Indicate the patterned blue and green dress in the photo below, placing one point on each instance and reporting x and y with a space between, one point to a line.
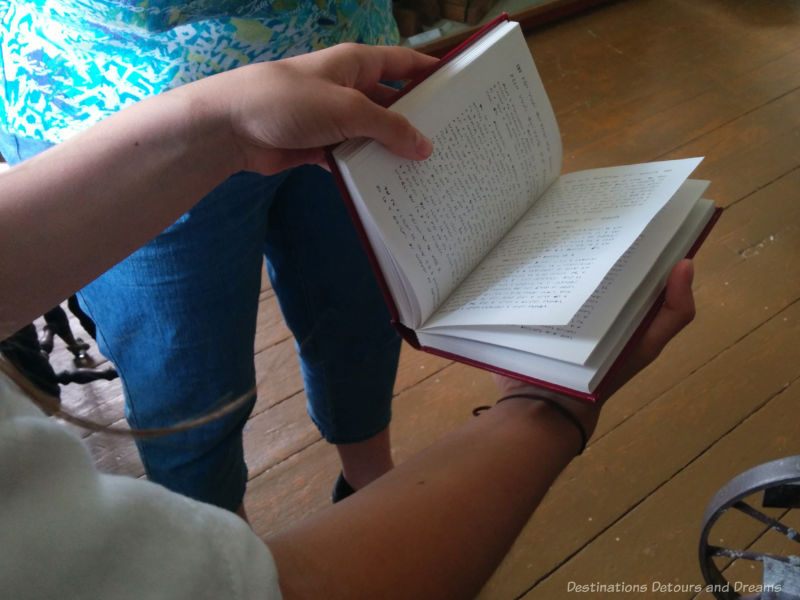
65 64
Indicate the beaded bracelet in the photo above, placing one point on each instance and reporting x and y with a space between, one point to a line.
552 403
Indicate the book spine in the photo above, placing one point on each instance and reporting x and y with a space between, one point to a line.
586 396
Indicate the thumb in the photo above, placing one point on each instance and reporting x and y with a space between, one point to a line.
389 128
677 311
674 314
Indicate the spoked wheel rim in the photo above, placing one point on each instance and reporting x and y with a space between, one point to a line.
768 477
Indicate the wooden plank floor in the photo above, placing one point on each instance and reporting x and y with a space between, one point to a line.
631 81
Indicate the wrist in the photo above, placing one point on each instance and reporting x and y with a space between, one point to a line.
585 413
542 422
209 129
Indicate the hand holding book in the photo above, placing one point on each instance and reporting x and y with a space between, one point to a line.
675 313
488 254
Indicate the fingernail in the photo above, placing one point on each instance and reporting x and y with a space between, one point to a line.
424 147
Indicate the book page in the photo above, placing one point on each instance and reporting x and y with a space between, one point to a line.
548 266
586 376
496 148
575 341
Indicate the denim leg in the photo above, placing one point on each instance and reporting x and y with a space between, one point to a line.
15 149
330 299
177 318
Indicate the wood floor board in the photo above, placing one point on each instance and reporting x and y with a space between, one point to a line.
292 490
273 435
277 375
115 454
416 366
270 326
750 152
631 83
99 401
759 140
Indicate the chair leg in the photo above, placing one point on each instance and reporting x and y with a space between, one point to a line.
30 354
24 352
84 319
57 323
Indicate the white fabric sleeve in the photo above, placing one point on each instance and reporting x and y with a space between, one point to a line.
67 531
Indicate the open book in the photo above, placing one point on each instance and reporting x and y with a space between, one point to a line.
487 254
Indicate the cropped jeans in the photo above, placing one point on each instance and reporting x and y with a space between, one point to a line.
178 317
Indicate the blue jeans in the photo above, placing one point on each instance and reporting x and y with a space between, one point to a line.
178 317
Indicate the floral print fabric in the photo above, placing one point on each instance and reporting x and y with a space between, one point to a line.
66 64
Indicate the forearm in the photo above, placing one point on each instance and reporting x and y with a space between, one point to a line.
101 195
439 524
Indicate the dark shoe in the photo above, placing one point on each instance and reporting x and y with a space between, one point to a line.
341 489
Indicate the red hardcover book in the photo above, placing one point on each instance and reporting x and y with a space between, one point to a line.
487 254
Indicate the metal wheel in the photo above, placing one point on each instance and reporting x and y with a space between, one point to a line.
778 482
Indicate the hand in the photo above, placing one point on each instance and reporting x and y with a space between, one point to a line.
676 312
322 98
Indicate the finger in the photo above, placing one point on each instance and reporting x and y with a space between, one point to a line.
405 63
362 66
363 118
677 311
396 63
